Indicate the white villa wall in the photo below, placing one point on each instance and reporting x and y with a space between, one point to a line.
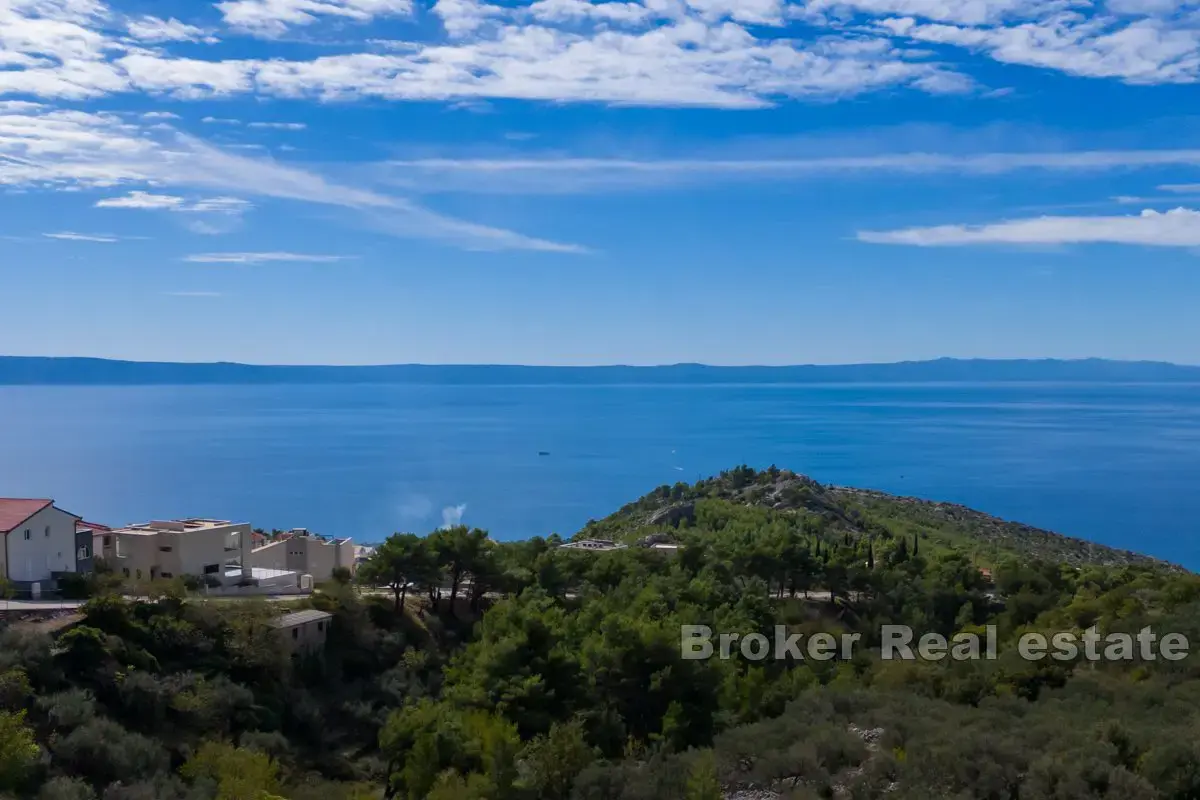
270 556
49 548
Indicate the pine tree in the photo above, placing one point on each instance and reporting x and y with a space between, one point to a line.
870 556
703 783
916 544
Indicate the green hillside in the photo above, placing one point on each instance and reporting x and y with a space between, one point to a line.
460 668
859 512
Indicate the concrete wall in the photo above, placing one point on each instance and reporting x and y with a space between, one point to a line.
307 555
199 551
345 556
42 545
135 555
270 556
291 589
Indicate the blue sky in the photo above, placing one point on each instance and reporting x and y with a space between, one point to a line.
573 182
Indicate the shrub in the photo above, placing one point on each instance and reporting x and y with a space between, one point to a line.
18 750
103 752
68 710
63 788
14 689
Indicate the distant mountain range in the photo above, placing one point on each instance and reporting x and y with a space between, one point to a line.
18 370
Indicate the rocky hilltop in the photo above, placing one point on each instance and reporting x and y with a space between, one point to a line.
860 512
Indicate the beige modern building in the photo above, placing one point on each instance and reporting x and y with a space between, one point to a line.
207 548
303 553
304 631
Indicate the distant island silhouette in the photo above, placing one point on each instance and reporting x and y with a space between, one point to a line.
26 370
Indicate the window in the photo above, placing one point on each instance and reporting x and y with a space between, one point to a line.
126 571
82 554
212 569
47 531
295 633
165 549
108 541
320 626
27 534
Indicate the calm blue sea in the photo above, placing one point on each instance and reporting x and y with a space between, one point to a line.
1119 464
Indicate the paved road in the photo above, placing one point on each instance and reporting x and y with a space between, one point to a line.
40 605
20 606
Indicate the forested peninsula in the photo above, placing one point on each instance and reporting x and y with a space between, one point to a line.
458 667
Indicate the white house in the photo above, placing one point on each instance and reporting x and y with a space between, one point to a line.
39 540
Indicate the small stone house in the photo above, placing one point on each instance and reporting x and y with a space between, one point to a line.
304 632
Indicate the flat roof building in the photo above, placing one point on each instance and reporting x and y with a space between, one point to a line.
210 548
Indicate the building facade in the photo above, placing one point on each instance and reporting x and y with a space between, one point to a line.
39 541
306 554
216 550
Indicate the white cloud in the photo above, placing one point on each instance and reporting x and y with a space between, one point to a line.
159 115
141 200
1138 51
965 12
1180 188
155 29
262 258
274 17
220 121
720 53
690 63
279 126
160 202
1177 228
67 236
664 53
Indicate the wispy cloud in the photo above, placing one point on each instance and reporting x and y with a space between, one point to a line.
44 147
274 17
1177 228
154 29
1181 188
160 202
68 236
263 258
141 200
220 121
279 126
553 175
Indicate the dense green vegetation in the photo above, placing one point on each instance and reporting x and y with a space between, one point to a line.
515 671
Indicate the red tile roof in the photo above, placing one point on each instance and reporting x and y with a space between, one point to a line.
15 511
